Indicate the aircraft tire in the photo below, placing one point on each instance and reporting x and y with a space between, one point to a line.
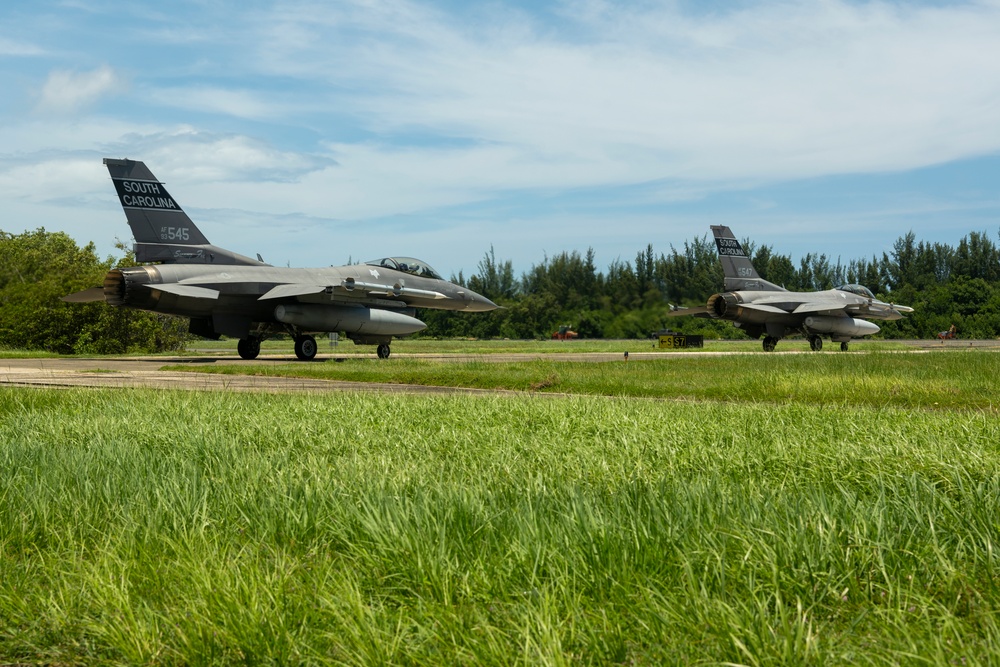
843 346
815 343
305 348
383 351
248 347
770 343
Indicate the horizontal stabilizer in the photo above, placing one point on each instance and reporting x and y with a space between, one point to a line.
85 296
698 311
290 290
186 290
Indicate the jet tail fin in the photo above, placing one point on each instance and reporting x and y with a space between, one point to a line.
736 266
163 232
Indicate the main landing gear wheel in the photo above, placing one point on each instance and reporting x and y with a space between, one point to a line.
305 348
770 343
815 343
248 347
383 351
843 346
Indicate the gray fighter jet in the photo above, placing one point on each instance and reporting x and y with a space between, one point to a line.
224 293
764 309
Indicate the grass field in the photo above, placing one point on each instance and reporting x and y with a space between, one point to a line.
796 524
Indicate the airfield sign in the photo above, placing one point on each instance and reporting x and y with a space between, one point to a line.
676 341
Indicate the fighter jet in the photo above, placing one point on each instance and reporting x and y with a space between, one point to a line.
225 293
764 309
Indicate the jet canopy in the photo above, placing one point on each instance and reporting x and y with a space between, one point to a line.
406 265
860 290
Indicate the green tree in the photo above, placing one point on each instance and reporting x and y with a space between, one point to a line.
495 280
37 268
976 257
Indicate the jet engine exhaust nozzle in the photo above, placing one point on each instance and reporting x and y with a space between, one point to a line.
121 288
724 306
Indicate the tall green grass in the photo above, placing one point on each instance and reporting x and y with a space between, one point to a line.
204 528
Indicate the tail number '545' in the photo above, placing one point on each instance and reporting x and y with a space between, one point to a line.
175 234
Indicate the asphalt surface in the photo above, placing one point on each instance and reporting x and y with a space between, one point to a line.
135 372
131 372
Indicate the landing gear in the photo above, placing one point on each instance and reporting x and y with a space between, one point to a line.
815 343
305 348
383 351
248 347
843 346
770 342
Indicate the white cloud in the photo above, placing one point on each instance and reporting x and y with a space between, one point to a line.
228 102
10 47
67 91
399 109
64 179
203 158
775 91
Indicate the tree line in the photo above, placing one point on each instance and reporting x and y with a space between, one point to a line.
946 285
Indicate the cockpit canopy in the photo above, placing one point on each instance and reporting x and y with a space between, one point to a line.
409 265
860 290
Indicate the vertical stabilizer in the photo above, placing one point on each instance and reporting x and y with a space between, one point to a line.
736 266
163 232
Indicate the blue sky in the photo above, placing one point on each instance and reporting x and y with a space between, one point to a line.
317 132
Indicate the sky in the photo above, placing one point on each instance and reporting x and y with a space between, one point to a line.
318 133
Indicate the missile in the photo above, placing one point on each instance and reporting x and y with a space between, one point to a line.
350 319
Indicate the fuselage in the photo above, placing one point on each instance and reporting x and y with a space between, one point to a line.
788 307
240 288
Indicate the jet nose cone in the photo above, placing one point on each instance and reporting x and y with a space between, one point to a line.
477 303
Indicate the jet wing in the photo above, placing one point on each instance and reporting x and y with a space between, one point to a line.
763 307
822 307
186 290
292 289
349 285
704 311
